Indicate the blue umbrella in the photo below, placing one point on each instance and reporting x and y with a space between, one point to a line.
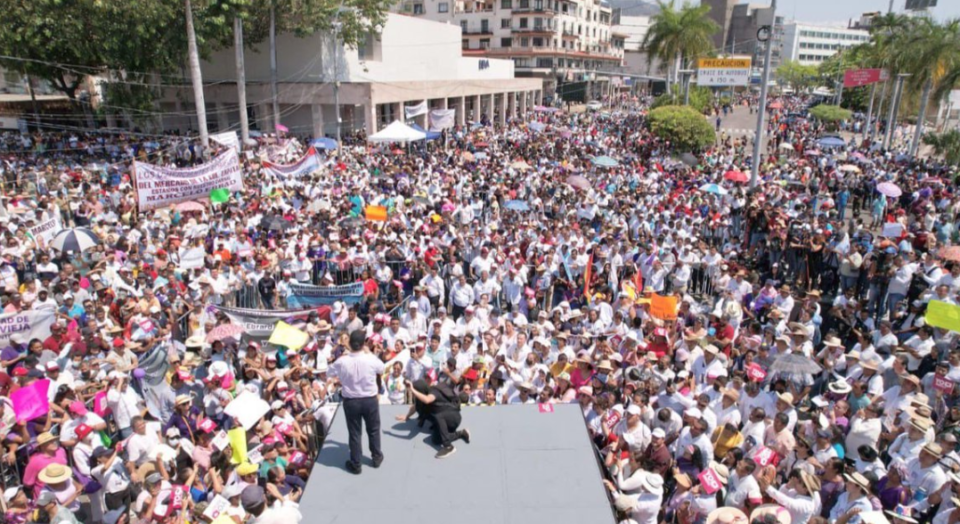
713 188
516 205
831 141
537 126
324 143
605 161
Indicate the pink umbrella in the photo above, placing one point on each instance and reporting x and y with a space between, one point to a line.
812 152
282 128
889 189
579 182
189 205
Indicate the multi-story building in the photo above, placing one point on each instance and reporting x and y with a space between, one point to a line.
811 44
721 12
556 40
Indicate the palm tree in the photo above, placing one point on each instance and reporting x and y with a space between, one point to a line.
676 35
932 58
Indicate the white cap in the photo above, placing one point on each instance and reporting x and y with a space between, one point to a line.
693 413
633 409
9 493
413 305
658 433
276 404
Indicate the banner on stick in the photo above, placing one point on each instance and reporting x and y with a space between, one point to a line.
306 165
305 295
159 186
228 139
48 227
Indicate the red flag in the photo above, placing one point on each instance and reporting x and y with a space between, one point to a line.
587 275
638 281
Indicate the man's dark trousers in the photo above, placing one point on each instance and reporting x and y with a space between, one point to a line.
445 426
362 411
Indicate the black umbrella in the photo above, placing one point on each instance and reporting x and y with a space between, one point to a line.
77 240
276 223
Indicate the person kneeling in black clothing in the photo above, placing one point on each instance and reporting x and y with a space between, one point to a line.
440 405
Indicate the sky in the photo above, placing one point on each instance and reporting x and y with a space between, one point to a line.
834 11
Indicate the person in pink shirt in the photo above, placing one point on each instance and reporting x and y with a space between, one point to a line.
48 452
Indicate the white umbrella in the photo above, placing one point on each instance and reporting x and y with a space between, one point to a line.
77 240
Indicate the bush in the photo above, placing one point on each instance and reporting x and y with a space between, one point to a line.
830 115
683 126
701 99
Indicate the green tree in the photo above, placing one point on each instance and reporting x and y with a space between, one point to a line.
701 99
945 145
678 35
798 76
683 126
830 115
932 57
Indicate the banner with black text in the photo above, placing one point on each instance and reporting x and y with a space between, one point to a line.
159 186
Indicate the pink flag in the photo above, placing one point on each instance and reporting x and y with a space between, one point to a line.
31 402
282 128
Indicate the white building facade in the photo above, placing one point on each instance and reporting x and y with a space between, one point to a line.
550 39
811 44
411 61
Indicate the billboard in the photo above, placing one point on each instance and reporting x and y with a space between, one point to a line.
917 5
863 77
715 72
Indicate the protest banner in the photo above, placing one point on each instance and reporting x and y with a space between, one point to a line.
710 481
306 295
756 373
216 507
247 408
942 315
306 165
159 186
413 110
766 457
441 119
288 336
220 441
942 384
31 401
664 308
228 138
48 227
25 325
259 324
892 230
192 258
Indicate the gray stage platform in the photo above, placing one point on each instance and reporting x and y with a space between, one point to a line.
521 467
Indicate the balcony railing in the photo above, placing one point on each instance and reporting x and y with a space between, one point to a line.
478 31
535 10
539 30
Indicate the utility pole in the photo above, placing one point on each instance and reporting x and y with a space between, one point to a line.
273 65
762 106
890 9
195 77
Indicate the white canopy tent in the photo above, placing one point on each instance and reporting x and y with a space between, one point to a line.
397 132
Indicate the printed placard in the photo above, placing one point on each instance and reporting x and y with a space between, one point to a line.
710 481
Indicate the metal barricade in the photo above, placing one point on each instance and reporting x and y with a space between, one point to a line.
247 297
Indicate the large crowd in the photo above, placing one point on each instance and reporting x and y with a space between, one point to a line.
792 378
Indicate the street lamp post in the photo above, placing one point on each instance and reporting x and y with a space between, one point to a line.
762 108
894 109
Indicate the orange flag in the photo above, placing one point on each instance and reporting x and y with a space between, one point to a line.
664 308
376 213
